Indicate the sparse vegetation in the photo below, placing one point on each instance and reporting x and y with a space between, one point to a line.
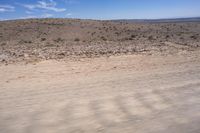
167 37
103 38
25 41
58 40
3 44
43 39
76 39
193 37
133 36
150 38
49 45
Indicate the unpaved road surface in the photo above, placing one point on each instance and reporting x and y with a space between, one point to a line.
122 94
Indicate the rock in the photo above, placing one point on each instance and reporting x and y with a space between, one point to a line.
26 55
3 57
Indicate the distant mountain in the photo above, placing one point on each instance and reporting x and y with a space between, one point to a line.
194 19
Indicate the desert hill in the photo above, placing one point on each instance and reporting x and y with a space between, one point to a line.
39 39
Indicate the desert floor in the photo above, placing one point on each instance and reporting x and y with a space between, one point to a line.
118 94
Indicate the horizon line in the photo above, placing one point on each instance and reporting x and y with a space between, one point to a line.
146 19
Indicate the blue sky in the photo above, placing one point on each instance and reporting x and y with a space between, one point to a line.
99 9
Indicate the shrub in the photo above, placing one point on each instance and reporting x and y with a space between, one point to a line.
58 40
150 38
93 33
43 39
133 36
3 44
167 36
76 39
193 37
103 38
25 41
49 45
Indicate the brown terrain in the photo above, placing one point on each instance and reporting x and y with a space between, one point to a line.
59 38
87 76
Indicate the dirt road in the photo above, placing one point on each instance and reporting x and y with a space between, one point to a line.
124 94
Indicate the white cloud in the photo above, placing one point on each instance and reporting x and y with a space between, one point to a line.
47 15
28 12
28 17
1 19
7 8
68 14
46 5
71 1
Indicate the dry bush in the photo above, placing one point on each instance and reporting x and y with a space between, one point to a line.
93 33
193 37
150 38
3 44
25 41
103 38
133 36
59 40
76 39
43 39
49 45
167 36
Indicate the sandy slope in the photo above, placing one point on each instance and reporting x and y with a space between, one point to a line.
135 93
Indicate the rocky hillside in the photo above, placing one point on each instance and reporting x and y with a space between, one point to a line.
38 39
